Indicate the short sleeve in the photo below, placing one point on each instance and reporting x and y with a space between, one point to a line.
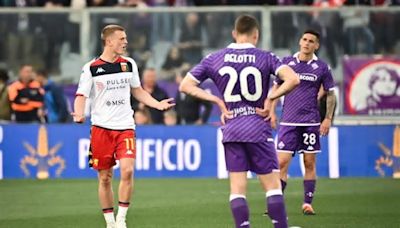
276 65
85 81
327 79
199 72
135 80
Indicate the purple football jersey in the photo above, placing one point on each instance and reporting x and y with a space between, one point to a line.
242 74
300 106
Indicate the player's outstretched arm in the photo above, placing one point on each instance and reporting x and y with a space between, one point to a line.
330 109
144 97
79 109
190 87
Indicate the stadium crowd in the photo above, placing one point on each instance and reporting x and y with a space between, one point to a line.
166 45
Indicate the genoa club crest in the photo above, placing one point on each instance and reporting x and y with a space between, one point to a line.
124 67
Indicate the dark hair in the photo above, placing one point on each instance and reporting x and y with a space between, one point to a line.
108 30
4 75
43 72
313 32
245 24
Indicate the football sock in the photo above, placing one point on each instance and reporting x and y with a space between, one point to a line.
122 210
240 210
309 188
109 215
283 184
276 208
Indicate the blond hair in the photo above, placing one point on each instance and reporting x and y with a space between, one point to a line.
109 30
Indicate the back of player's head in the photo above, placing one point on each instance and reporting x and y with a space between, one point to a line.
246 24
313 32
109 30
43 73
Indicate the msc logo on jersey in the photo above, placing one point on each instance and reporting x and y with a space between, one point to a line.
42 157
115 102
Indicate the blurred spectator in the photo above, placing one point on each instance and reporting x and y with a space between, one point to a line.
173 63
149 83
142 116
190 39
26 97
5 106
170 118
54 99
97 3
190 110
360 39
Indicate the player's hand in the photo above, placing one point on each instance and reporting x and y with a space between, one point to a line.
225 113
274 120
78 118
166 104
266 111
325 126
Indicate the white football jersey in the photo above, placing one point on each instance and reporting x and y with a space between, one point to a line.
108 85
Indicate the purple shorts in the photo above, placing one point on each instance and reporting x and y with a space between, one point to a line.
303 139
259 158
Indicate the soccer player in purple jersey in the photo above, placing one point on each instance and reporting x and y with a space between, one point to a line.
300 125
241 73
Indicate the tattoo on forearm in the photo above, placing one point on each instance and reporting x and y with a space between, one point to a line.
330 104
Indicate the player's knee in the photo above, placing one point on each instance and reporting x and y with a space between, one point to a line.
105 180
126 172
309 165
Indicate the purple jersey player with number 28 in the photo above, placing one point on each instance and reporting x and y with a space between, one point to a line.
300 125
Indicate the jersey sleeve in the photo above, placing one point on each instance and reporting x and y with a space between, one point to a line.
276 65
85 81
135 80
199 72
327 79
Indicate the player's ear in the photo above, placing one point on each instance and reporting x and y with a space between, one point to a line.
234 34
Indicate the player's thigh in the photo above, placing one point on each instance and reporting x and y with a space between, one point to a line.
236 157
102 148
262 157
310 140
309 160
125 144
288 139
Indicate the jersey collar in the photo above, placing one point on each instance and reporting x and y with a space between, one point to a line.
241 46
296 55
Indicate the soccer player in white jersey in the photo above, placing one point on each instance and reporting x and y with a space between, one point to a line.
300 125
109 81
241 73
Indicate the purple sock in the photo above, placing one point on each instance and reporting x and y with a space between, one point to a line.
309 188
283 184
277 211
240 212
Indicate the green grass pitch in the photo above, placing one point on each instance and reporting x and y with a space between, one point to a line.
191 203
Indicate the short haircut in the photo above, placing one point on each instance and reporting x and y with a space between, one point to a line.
245 24
108 30
42 72
313 32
